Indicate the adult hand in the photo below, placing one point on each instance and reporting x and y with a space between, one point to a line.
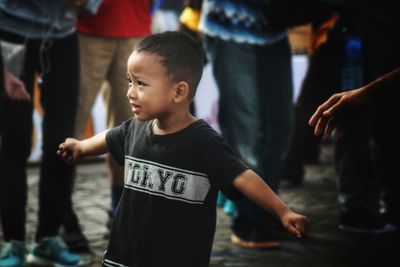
14 88
336 113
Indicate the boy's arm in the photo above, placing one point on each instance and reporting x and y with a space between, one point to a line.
72 150
254 188
95 145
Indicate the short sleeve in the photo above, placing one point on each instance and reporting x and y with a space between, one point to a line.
115 139
223 166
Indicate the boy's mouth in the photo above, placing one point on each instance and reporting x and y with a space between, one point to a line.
135 108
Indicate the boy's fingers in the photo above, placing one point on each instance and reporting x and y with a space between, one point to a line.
295 231
64 155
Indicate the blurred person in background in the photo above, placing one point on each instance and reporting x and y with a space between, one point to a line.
106 40
251 63
47 30
378 23
165 15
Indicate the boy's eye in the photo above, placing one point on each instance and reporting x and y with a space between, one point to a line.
129 80
139 83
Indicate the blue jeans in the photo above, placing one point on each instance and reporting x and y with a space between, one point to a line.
255 110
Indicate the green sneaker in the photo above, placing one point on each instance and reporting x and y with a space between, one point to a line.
12 254
53 252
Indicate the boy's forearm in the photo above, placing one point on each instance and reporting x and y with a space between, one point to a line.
254 188
95 145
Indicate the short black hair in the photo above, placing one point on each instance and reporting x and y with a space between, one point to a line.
181 55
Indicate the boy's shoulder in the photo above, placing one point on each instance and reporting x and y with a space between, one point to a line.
205 134
201 126
133 123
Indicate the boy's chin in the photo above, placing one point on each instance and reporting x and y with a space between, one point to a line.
142 118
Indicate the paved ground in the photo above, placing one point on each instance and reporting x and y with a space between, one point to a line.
326 245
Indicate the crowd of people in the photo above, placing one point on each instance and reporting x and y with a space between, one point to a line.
146 59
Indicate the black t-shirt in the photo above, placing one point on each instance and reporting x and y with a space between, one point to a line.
167 212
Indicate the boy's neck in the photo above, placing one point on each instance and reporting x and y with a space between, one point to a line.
172 125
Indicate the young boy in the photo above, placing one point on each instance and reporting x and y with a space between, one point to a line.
174 164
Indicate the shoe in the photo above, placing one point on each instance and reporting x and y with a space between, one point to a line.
363 222
73 236
12 254
389 210
53 252
254 240
75 241
229 208
221 200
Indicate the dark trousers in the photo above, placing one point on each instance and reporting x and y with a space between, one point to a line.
383 55
321 81
1 93
354 167
57 63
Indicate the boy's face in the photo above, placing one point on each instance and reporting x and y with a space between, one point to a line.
150 90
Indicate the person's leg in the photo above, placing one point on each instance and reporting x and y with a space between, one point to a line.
356 176
276 92
321 81
117 108
383 56
14 152
95 57
58 83
96 54
59 95
235 71
15 146
15 149
386 158
275 101
1 95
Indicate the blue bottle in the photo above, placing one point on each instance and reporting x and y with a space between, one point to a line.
352 68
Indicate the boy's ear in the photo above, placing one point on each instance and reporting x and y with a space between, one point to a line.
181 92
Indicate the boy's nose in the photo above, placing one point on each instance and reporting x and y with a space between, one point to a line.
132 93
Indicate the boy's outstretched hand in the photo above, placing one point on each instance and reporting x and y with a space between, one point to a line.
70 150
295 223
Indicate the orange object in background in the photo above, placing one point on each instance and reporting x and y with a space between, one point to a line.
299 39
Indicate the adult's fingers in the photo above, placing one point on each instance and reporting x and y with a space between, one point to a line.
322 109
330 126
320 126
